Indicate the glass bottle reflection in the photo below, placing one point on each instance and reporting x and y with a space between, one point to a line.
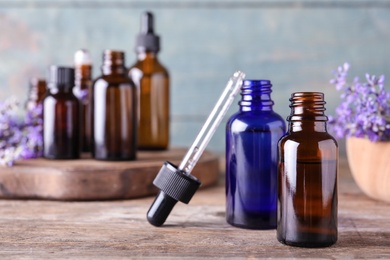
252 135
114 111
307 179
61 111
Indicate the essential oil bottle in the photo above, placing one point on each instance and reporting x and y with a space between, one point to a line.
61 121
307 176
152 79
83 84
114 111
252 135
36 93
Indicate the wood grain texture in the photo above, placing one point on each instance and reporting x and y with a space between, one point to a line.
118 229
369 164
89 179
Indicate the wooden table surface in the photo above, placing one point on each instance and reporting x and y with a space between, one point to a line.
33 229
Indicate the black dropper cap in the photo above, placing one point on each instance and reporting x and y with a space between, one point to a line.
146 39
61 77
175 185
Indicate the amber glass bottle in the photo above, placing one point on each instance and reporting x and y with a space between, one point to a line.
61 122
152 79
114 111
36 93
83 84
307 176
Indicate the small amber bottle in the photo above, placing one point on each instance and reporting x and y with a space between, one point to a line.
114 111
36 93
152 79
61 122
83 84
307 176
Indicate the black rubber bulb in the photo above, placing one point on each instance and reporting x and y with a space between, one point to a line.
175 185
160 209
147 23
147 40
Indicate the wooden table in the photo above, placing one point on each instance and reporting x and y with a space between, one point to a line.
119 230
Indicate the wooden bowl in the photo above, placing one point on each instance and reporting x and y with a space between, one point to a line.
370 166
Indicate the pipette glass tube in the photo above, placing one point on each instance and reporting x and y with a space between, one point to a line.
225 100
177 183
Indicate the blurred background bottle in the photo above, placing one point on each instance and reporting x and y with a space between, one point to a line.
114 111
83 84
36 93
152 80
61 111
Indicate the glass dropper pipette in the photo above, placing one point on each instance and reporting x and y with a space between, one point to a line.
210 126
177 183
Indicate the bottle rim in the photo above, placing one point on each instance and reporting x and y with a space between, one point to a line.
307 106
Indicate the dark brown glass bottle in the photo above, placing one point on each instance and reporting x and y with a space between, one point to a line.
83 84
152 79
37 91
61 122
114 111
307 176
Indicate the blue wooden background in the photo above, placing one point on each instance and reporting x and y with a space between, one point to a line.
296 44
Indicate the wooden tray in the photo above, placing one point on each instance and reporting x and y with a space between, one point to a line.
89 179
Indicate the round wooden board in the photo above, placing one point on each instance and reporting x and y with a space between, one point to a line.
89 179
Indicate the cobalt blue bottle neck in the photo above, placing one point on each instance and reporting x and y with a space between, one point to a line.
256 96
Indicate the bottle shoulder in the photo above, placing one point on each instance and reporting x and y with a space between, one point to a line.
113 80
60 97
242 121
254 116
307 138
148 67
310 149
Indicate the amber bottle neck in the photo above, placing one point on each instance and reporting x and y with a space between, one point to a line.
113 70
37 89
307 112
83 71
83 75
146 55
113 62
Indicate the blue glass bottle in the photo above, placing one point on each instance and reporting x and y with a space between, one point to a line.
252 136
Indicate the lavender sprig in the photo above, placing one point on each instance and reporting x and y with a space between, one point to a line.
19 139
364 110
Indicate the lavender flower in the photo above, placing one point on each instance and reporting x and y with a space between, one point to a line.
365 108
19 139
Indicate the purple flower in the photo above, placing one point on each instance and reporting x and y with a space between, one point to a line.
364 110
20 139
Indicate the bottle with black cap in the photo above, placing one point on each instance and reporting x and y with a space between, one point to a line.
61 110
152 79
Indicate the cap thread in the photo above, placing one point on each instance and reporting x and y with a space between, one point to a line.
175 183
